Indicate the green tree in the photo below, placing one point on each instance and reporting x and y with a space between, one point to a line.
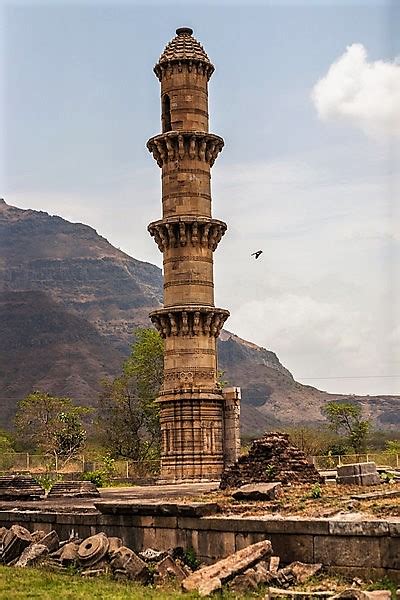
51 424
345 419
393 446
6 443
129 420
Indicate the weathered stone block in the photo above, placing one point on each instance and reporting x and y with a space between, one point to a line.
258 491
361 527
361 552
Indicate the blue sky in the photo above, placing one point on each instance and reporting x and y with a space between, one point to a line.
311 179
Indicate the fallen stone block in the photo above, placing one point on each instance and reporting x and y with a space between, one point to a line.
114 543
100 568
32 555
228 568
356 594
127 565
258 491
167 567
274 564
51 540
15 541
303 571
151 555
296 595
93 549
3 531
69 553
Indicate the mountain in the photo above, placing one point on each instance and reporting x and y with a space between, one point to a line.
69 302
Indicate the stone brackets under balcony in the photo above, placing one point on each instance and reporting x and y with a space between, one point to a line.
178 145
180 231
189 320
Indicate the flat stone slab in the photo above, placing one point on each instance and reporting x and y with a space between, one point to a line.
373 495
258 491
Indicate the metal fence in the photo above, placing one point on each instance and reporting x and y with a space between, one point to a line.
381 459
24 462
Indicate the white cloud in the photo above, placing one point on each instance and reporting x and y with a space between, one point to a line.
365 93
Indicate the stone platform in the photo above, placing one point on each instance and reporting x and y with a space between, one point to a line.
168 516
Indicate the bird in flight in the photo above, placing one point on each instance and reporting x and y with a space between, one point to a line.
257 254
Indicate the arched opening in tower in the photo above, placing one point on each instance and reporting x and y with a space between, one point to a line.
166 114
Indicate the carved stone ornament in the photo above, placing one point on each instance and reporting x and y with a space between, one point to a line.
189 321
176 145
182 231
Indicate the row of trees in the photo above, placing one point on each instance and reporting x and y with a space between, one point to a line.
125 422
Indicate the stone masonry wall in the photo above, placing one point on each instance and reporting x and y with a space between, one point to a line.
369 549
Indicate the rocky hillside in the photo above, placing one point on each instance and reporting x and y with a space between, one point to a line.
69 302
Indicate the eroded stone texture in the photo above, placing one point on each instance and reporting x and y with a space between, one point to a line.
358 474
211 578
192 405
15 541
20 487
271 458
73 489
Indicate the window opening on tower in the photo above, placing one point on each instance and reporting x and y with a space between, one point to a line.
166 114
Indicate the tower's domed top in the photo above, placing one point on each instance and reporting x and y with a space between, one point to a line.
184 47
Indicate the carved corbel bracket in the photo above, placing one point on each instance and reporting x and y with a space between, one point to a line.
189 321
177 145
182 231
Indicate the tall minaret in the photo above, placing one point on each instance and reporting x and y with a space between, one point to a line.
191 402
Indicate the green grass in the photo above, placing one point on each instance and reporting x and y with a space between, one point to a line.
18 584
21 584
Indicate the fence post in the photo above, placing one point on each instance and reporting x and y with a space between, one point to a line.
339 461
56 463
367 455
27 461
83 463
127 469
397 461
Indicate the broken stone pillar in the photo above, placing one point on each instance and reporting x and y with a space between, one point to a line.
15 541
232 397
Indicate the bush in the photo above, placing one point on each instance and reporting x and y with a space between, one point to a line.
96 477
47 480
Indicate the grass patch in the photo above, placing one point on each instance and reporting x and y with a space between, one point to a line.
39 584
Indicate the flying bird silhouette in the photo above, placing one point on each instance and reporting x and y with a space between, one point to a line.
257 254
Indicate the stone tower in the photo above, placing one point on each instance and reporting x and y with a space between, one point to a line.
191 402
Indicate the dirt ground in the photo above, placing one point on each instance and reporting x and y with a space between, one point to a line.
312 501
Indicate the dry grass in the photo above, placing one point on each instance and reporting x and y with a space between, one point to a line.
300 500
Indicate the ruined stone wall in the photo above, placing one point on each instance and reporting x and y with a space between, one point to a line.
368 549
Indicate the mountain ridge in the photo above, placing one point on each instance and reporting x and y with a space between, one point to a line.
94 296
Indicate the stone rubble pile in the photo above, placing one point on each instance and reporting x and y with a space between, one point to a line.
99 554
93 556
271 458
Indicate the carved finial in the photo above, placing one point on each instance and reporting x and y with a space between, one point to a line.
184 31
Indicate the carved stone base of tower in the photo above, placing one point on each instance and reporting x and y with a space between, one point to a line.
192 438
